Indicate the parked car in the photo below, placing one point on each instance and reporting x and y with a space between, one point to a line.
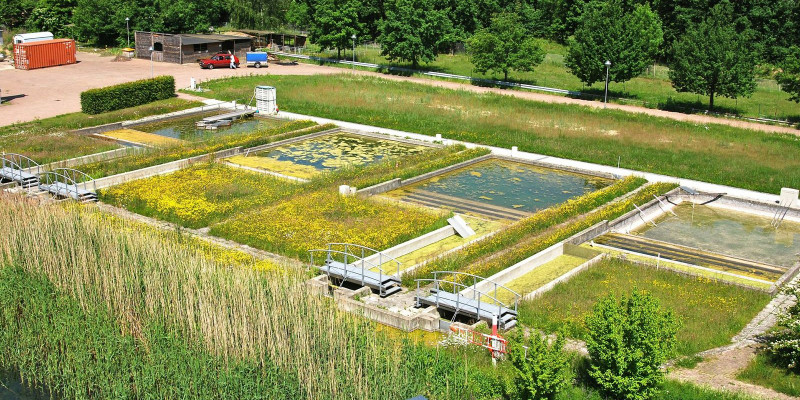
220 60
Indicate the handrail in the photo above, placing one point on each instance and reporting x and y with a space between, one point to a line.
473 287
362 260
16 160
48 181
73 173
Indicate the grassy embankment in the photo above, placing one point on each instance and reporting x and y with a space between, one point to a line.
46 140
714 153
652 89
698 303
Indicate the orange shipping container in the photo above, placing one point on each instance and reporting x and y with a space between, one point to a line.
46 53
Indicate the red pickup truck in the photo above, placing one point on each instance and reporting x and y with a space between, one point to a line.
220 60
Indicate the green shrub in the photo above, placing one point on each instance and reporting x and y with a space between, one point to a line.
628 341
124 95
542 369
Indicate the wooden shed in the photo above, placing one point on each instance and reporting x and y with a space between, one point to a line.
188 48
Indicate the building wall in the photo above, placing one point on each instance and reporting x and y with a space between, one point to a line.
191 56
171 46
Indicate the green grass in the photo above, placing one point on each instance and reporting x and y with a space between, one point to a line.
48 147
715 153
762 372
78 120
652 89
670 390
698 303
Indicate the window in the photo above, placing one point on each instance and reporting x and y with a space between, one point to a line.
158 46
202 47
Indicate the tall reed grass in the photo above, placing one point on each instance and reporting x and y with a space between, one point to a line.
236 313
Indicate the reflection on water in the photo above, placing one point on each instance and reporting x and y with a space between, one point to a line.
12 388
728 232
512 185
334 151
185 129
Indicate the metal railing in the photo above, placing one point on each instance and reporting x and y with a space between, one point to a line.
18 166
72 182
350 258
454 284
780 214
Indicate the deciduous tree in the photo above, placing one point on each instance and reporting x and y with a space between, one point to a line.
714 57
413 30
630 40
504 46
789 77
334 22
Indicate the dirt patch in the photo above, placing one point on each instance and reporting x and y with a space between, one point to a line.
719 372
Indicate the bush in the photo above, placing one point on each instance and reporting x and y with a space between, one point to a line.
783 345
628 341
130 94
542 368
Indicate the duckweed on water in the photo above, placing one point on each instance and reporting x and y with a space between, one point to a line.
335 151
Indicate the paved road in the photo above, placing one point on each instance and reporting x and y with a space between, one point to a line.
52 91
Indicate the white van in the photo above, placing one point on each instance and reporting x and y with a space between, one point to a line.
32 37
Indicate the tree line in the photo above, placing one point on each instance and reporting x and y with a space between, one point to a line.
713 47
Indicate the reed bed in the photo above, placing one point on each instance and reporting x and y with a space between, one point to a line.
236 313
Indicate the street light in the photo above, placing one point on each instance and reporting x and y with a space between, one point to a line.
151 61
354 50
605 99
128 28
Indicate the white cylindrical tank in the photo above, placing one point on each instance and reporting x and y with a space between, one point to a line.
266 100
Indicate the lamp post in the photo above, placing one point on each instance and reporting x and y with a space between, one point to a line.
605 99
128 28
354 50
151 61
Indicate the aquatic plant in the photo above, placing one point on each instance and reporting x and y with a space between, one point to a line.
198 196
312 220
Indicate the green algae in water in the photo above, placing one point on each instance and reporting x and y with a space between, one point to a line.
512 185
727 232
185 129
335 151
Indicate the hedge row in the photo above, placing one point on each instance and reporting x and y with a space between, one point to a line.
130 94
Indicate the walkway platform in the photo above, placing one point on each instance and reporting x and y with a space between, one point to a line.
463 206
20 169
216 121
475 309
458 293
69 183
359 265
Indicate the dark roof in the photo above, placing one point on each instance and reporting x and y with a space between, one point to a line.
188 38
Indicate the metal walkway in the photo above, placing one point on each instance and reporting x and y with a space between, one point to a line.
689 255
361 266
226 119
449 293
20 169
69 183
